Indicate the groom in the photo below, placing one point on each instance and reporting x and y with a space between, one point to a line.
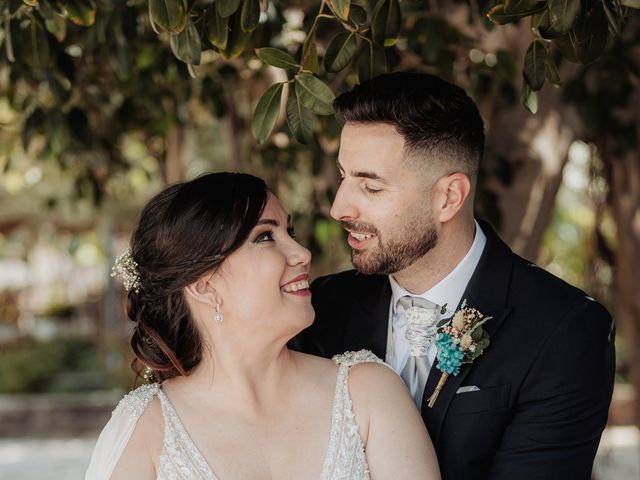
534 404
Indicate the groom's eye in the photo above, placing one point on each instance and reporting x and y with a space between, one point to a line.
372 190
264 237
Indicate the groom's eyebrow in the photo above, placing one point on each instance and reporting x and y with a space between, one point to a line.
363 174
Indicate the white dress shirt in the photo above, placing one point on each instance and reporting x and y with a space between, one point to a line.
447 291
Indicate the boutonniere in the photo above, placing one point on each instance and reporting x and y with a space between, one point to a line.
461 339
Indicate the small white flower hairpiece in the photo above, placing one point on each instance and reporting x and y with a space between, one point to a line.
127 268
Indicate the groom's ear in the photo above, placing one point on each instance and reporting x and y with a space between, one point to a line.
203 291
452 193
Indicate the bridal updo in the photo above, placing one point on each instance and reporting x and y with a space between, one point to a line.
183 233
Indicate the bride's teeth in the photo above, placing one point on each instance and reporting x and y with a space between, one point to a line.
297 286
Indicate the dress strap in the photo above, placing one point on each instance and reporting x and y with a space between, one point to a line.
345 455
353 358
136 402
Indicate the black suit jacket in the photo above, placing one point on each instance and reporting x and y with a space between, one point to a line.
545 381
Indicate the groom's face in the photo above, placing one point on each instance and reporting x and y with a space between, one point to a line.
383 204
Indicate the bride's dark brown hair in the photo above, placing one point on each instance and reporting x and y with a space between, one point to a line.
184 232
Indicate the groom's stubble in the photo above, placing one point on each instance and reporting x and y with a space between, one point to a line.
395 251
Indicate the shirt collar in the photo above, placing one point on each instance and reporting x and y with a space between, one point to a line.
449 290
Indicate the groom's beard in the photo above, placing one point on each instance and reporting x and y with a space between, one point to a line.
397 253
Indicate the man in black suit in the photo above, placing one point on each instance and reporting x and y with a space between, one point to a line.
535 403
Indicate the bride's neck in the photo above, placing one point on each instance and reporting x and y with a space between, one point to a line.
247 374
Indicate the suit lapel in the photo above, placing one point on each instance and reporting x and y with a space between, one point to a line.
487 291
369 316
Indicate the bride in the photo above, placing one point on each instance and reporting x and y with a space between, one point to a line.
217 286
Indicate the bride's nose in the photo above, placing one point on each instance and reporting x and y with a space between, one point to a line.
298 255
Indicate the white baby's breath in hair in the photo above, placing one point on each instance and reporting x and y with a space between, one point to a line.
127 268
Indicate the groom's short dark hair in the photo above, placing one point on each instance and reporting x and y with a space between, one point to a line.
434 117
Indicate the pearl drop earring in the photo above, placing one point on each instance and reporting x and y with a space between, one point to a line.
218 318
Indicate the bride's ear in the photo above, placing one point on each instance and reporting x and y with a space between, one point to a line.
202 291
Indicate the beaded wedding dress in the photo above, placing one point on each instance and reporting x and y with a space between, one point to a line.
181 459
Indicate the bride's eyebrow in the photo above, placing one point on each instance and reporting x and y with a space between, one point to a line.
272 221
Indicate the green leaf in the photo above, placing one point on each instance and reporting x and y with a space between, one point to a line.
53 21
535 62
314 94
529 98
238 40
563 14
217 29
551 72
358 15
266 113
483 342
170 15
310 54
277 58
250 15
476 334
300 120
82 12
498 15
186 44
541 22
588 38
386 23
341 8
443 322
56 26
521 6
340 51
371 61
33 44
616 20
226 8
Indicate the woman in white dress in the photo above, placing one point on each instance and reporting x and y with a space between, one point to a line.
217 286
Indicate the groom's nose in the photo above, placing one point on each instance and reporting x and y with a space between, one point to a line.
343 207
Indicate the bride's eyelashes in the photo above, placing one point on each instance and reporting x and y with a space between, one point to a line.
267 235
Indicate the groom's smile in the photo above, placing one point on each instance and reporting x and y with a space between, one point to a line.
359 235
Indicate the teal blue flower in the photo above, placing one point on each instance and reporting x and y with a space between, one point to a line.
450 355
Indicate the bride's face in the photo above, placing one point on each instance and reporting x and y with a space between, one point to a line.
265 282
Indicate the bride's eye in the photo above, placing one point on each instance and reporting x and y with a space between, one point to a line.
291 231
264 237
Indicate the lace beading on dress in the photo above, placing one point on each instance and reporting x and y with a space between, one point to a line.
180 459
346 458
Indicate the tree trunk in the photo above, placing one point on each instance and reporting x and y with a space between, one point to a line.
536 147
624 198
537 150
175 167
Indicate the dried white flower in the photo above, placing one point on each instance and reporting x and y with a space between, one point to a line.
127 268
